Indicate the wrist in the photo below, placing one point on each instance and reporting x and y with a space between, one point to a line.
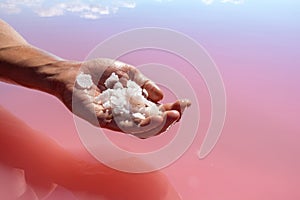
60 77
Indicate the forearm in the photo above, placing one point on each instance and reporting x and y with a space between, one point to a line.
26 65
31 67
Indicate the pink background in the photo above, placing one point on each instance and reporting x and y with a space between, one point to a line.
254 44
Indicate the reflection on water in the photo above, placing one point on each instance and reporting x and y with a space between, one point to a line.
44 164
257 156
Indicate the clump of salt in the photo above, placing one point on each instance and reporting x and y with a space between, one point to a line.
127 103
84 81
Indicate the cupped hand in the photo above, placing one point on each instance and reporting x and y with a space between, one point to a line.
81 101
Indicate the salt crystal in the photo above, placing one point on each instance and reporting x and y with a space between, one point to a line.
145 92
106 104
126 123
118 85
84 81
138 115
110 82
127 103
132 84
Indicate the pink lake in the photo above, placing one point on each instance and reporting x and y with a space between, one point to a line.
255 46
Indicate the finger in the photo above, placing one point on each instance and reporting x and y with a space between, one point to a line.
105 119
150 125
179 105
111 125
154 92
159 126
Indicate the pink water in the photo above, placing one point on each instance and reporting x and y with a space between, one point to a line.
255 46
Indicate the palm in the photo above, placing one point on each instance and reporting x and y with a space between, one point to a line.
82 101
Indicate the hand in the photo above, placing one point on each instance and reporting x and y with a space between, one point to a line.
81 101
26 65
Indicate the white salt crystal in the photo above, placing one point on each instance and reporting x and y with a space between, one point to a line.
110 82
132 84
106 104
145 92
138 115
126 123
118 85
84 81
103 97
126 103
